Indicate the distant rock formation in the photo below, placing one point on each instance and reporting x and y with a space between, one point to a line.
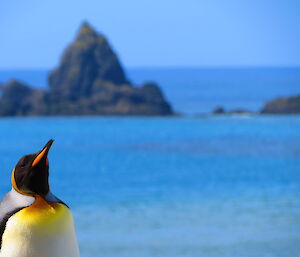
221 111
86 61
289 105
88 81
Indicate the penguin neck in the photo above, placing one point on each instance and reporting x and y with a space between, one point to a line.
29 196
21 197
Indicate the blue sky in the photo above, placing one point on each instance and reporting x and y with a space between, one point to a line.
155 33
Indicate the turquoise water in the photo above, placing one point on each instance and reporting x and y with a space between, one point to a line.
200 90
177 187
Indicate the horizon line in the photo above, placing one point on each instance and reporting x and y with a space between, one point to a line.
168 67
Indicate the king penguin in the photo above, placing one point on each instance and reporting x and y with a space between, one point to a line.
33 221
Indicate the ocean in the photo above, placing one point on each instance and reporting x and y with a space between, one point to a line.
208 186
172 187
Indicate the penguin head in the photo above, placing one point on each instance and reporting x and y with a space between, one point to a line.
30 176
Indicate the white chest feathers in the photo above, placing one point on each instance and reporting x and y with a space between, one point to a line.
43 229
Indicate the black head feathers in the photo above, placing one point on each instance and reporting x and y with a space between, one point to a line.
31 173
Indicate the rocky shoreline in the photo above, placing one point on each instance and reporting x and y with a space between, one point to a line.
90 80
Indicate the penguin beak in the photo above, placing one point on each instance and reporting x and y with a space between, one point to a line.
42 155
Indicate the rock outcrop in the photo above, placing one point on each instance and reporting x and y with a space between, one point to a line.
87 60
289 105
18 99
88 81
221 111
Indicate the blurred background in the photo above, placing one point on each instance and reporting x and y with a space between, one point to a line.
176 123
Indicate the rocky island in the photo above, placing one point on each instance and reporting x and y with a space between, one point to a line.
219 110
283 106
289 105
88 81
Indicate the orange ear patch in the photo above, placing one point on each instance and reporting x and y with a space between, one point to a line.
14 184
